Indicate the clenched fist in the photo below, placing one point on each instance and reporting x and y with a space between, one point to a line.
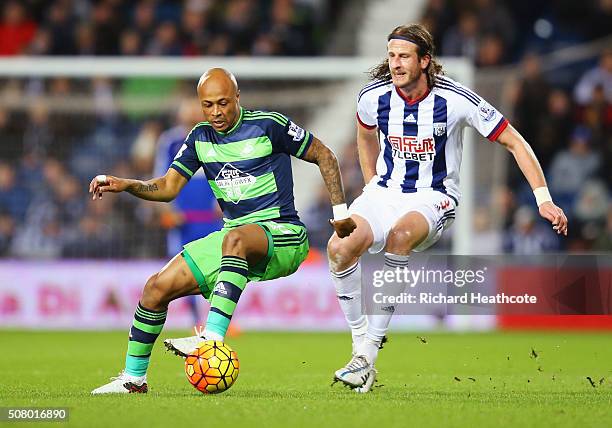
343 227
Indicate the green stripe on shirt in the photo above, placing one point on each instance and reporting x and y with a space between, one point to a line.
183 167
251 148
259 117
306 138
274 114
261 215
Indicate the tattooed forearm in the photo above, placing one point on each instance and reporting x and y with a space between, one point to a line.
161 189
150 191
328 165
333 180
147 188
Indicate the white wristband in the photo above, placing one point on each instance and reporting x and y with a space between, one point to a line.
542 195
340 212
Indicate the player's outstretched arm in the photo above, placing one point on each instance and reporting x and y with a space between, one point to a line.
531 169
163 189
321 155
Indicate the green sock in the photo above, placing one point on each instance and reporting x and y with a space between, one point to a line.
231 281
147 325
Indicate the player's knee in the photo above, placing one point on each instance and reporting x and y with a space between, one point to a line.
233 243
156 293
401 241
334 247
339 252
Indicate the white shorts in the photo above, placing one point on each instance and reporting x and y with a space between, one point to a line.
382 208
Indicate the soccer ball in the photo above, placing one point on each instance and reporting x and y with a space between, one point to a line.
212 367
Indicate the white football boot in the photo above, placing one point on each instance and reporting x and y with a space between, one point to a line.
369 383
124 384
355 373
183 346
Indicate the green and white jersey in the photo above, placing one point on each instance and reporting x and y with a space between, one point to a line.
248 167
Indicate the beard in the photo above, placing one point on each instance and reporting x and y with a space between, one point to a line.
407 80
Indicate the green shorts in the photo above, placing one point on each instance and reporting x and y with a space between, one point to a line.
287 249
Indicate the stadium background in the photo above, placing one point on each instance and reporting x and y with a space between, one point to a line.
67 262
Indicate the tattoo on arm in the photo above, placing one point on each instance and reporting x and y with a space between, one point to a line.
161 189
144 190
147 188
328 165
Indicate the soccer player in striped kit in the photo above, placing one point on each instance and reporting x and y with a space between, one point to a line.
245 156
409 137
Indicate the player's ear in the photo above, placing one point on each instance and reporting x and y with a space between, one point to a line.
425 60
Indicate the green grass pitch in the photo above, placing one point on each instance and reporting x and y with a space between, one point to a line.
427 379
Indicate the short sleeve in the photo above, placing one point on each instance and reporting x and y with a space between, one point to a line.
287 137
486 119
365 114
186 161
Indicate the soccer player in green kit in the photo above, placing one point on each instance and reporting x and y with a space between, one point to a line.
246 158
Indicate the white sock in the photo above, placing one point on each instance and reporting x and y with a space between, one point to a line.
378 323
358 340
369 347
348 290
136 379
211 335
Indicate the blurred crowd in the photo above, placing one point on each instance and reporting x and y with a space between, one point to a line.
496 32
569 127
46 162
164 27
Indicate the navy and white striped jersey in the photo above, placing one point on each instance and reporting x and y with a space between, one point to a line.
421 140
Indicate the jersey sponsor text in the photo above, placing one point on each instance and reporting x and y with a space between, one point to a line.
413 148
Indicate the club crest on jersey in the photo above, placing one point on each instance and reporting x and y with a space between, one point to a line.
486 111
413 148
233 183
439 129
295 131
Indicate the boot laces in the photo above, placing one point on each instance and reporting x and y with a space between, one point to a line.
357 362
119 376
